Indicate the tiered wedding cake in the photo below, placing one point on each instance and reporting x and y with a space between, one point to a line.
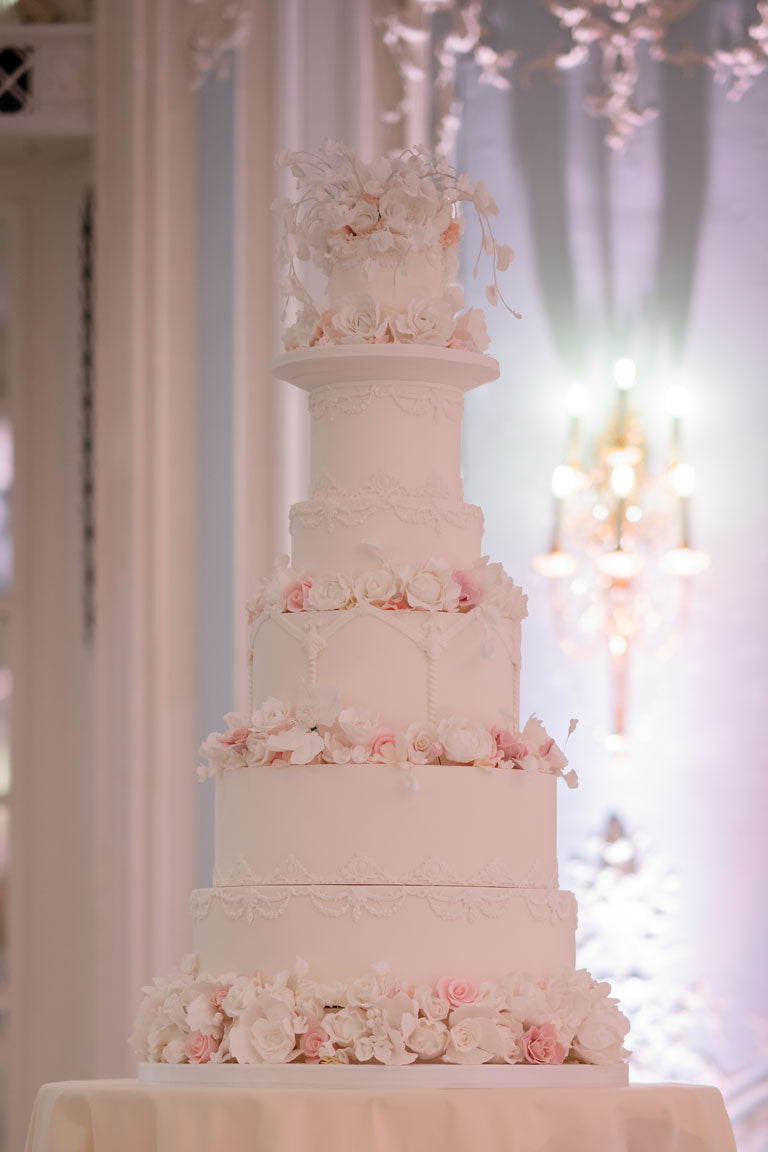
380 812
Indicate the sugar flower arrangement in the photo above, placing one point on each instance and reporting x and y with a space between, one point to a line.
193 1018
316 730
376 217
432 586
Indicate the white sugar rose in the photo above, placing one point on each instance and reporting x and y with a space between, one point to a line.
382 588
356 321
431 587
427 321
473 1039
465 742
423 740
428 1039
329 594
431 1006
336 750
599 1039
258 751
264 1032
345 1026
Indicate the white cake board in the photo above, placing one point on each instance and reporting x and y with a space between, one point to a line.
369 1077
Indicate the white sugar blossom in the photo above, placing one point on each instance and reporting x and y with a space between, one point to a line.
427 1038
264 1032
302 743
273 715
345 1026
465 741
359 724
599 1038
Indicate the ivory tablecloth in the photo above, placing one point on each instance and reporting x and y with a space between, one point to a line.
127 1116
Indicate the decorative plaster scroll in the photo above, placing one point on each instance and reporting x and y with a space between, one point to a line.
362 869
268 902
332 504
441 401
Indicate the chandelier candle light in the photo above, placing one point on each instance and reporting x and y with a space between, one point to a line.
622 535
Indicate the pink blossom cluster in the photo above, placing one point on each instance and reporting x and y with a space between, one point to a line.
195 1018
317 730
430 586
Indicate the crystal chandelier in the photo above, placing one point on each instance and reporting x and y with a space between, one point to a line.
621 556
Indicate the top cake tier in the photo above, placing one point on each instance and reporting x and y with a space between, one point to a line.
385 454
384 237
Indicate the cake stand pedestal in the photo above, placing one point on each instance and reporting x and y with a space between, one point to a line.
131 1115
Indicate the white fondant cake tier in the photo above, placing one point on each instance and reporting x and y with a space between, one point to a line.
393 284
407 665
333 529
373 824
385 451
420 930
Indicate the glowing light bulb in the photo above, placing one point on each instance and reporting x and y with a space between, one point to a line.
563 481
622 479
684 562
617 645
677 400
555 564
600 512
634 514
624 372
621 565
577 399
684 479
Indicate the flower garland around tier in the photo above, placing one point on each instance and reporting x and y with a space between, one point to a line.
317 730
381 216
432 586
193 1018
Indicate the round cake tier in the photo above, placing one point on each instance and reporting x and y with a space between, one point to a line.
424 932
407 665
385 452
336 527
377 824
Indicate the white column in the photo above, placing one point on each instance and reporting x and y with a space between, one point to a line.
305 72
145 650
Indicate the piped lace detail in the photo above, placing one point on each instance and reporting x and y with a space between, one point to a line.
362 869
434 503
440 401
268 902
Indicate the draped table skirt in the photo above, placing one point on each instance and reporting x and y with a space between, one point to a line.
131 1116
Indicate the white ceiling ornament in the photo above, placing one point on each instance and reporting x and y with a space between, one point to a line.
217 27
422 34
741 66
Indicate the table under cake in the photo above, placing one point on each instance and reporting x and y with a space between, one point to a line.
135 1116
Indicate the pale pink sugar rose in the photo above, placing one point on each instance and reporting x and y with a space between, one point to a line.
456 992
469 595
236 739
450 235
199 1048
540 1045
383 737
311 1041
510 747
296 595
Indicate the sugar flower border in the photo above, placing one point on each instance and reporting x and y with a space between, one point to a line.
431 586
318 730
194 1018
